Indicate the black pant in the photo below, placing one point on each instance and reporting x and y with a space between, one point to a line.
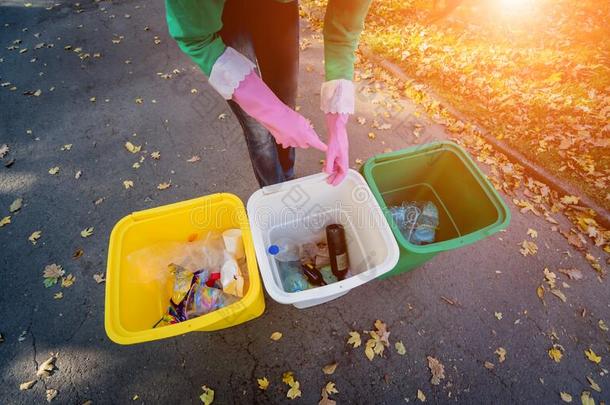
267 32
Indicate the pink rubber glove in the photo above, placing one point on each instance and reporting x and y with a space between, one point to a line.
337 155
288 127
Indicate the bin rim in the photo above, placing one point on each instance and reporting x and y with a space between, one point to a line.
112 324
504 214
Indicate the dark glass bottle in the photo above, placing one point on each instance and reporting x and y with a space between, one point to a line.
337 250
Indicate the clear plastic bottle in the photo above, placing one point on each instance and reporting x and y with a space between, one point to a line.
286 254
427 222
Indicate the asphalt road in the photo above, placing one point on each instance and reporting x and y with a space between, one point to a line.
483 279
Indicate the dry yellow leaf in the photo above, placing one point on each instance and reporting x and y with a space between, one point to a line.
193 159
565 397
540 292
372 135
498 315
288 378
592 356
559 294
354 339
294 391
501 352
437 369
570 200
532 233
263 383
368 350
276 336
329 368
586 399
164 186
207 397
156 155
67 147
85 233
528 248
602 325
400 348
35 236
421 396
5 221
99 278
139 100
46 368
127 184
132 148
16 205
556 353
51 394
593 384
26 385
488 365
58 295
68 281
54 170
331 389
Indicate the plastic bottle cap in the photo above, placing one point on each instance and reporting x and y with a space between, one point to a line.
273 249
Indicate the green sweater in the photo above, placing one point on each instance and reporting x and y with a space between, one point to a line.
195 24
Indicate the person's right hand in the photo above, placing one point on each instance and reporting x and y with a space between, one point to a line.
288 127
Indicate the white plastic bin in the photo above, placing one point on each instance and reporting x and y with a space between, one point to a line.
300 209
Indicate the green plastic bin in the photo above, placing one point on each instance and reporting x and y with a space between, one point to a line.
469 207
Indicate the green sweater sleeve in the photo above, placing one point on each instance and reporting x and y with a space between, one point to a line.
195 24
343 23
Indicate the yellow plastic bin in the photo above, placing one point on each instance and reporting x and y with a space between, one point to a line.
135 302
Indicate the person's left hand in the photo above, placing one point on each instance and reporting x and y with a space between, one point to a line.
337 155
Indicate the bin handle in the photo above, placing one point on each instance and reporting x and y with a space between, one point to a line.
427 147
275 188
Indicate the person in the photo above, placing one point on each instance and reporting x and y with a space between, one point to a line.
249 50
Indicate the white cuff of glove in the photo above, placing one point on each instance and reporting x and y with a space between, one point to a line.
337 96
229 70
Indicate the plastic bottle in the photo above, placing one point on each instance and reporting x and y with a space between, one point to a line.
427 222
286 254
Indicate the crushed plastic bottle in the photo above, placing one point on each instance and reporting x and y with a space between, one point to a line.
286 254
417 221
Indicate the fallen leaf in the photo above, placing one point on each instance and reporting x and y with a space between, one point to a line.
193 159
78 174
85 233
288 378
222 116
501 352
78 253
593 384
68 281
559 294
565 397
329 368
528 248
586 399
51 274
570 200
5 221
325 400
51 394
164 186
573 274
532 233
58 295
263 383
26 385
54 170
99 278
47 367
127 184
602 325
132 148
400 348
488 365
294 391
66 147
207 397
590 354
368 350
498 315
35 236
437 369
421 396
4 149
330 388
16 205
556 353
156 155
540 292
276 336
354 339
382 332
